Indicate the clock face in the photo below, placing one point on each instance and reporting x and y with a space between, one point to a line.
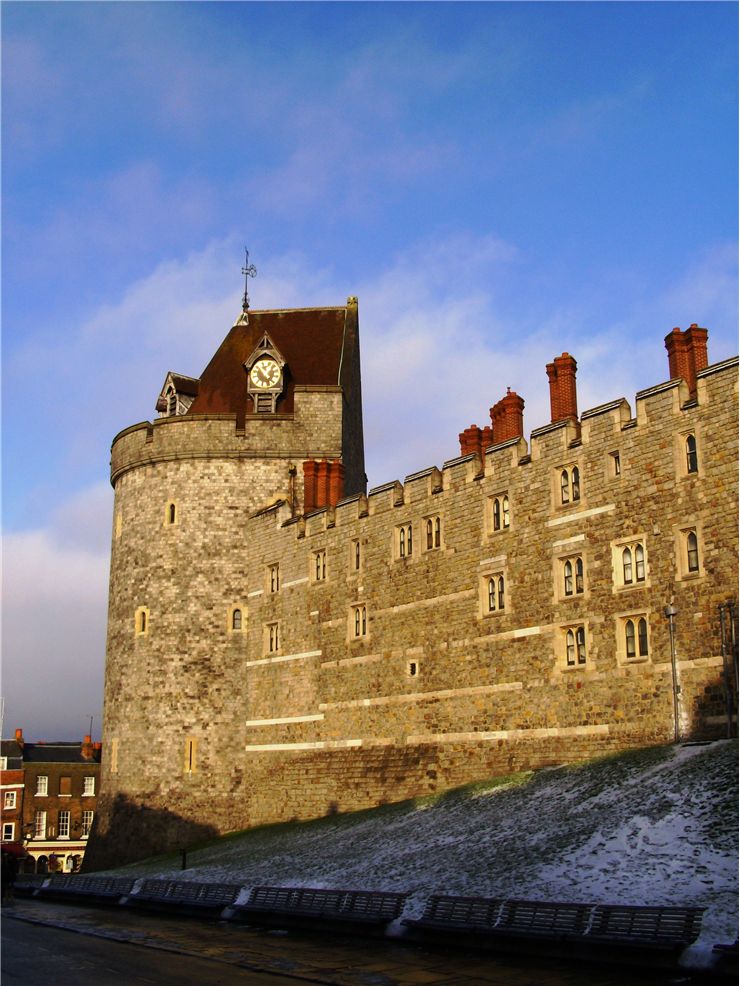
264 374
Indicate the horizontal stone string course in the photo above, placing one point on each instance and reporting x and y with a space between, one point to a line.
424 696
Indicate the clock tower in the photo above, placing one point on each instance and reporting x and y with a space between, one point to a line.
265 376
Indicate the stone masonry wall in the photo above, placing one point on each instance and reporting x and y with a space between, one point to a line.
440 689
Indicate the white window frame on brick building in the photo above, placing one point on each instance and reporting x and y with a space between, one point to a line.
9 800
8 831
42 786
404 541
88 787
39 825
630 563
633 637
87 821
432 532
318 565
64 824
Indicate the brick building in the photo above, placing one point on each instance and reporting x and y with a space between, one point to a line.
54 817
283 644
11 791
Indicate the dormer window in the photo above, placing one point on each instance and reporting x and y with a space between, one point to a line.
177 394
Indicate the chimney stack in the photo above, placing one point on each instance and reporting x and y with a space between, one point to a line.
563 398
687 354
309 485
507 417
87 750
19 738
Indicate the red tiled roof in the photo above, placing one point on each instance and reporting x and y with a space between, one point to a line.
309 339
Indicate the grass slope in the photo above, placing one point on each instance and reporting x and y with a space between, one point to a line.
651 826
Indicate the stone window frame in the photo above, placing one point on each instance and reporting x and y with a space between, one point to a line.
42 786
272 578
570 557
88 781
271 638
632 543
358 622
614 465
10 799
684 456
682 532
318 567
171 514
403 537
498 507
413 669
621 621
141 626
231 618
190 757
432 531
495 571
568 478
573 653
356 557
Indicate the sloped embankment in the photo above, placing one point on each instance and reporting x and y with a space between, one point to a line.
651 826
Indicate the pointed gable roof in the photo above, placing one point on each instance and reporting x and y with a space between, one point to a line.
310 340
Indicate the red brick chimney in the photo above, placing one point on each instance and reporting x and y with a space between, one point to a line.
563 398
322 483
336 482
507 417
19 738
687 354
87 749
475 439
309 485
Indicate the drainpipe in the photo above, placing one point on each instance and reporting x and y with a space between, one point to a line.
670 613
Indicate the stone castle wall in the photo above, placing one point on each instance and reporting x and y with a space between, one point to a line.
213 730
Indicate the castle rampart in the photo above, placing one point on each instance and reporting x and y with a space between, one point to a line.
502 612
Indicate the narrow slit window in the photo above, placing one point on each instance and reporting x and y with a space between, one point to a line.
437 532
171 513
581 644
491 595
500 592
639 563
570 648
576 483
496 514
505 511
430 535
627 566
568 578
564 487
402 542
692 464
629 638
642 637
692 552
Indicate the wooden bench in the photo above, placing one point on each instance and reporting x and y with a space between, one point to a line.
367 907
100 889
564 927
184 896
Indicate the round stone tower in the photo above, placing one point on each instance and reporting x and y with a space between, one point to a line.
283 390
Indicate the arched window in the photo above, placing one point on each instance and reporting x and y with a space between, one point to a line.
430 534
364 621
171 513
629 638
692 464
437 532
402 542
642 636
570 647
579 574
491 595
357 556
568 577
236 619
627 566
357 621
496 515
500 592
576 483
564 487
581 644
505 511
409 543
142 621
692 551
639 563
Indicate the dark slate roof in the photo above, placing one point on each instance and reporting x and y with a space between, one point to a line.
57 753
11 750
309 339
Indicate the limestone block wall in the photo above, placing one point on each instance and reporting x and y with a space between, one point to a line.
362 673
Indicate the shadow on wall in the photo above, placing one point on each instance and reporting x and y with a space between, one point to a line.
125 831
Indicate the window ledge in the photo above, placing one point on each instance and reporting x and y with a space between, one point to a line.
64 795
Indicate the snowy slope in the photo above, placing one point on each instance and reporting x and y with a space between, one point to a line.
651 826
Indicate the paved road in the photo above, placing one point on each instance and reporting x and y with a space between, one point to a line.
51 944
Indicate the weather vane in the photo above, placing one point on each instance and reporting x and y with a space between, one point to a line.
248 270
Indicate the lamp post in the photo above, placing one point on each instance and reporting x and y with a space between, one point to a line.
670 613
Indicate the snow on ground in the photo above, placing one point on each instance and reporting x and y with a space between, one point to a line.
652 826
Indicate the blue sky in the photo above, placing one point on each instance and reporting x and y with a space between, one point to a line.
501 181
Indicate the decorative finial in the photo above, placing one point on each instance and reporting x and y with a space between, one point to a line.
248 270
